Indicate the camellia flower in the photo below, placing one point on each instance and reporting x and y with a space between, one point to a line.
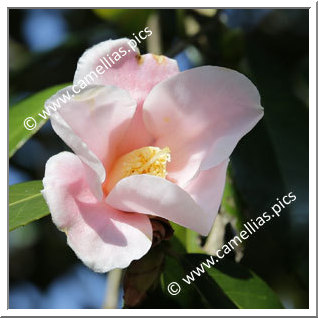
148 141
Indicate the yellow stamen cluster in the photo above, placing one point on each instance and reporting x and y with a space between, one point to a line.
146 160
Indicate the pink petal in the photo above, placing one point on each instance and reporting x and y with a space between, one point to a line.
92 124
157 196
136 135
132 72
201 114
102 237
207 189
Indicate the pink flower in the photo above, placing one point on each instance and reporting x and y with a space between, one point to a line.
148 141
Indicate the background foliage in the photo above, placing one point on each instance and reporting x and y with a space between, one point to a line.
271 48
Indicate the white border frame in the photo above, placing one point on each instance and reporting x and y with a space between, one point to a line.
4 130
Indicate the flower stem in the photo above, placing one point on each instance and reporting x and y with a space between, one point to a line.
112 289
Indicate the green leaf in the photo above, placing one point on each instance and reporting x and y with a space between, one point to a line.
29 107
230 201
26 203
243 287
224 285
188 238
128 20
189 297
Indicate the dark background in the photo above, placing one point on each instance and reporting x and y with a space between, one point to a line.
269 46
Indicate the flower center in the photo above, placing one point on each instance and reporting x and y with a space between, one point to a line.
146 160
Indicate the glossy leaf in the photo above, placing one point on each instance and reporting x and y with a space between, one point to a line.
188 238
26 204
224 285
243 287
230 202
189 297
29 107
